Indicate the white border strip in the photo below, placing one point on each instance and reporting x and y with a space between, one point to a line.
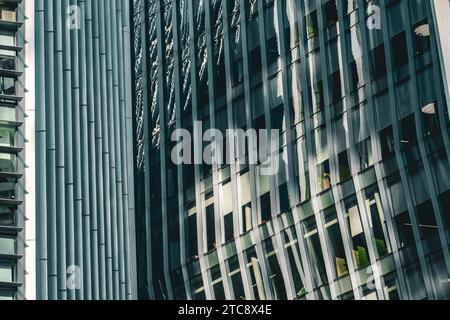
29 129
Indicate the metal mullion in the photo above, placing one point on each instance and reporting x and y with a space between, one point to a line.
257 232
248 107
117 115
84 153
348 242
211 83
41 205
229 102
215 166
51 152
315 193
130 227
162 114
375 141
305 78
147 136
357 178
306 263
76 103
197 150
111 116
411 209
122 156
289 139
99 152
109 154
92 167
178 95
69 181
335 188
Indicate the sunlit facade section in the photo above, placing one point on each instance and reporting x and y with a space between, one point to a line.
358 207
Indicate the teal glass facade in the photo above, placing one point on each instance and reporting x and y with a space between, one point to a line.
360 206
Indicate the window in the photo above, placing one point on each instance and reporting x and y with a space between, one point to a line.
323 176
344 166
7 86
191 228
400 51
364 151
422 38
8 113
7 38
236 279
8 14
210 227
6 272
266 211
8 163
245 199
228 222
274 271
404 229
7 245
377 222
378 62
408 131
7 216
336 88
8 188
311 25
7 136
360 252
336 245
6 295
331 13
314 248
444 200
7 63
427 222
387 142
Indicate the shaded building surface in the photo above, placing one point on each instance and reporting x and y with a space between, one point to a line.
11 150
359 208
83 129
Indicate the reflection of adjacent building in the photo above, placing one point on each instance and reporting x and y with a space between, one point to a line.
11 155
364 189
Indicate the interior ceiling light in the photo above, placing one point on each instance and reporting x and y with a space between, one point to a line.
423 30
429 108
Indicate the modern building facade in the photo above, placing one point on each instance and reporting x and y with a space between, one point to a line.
66 128
11 150
83 130
351 201
359 208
